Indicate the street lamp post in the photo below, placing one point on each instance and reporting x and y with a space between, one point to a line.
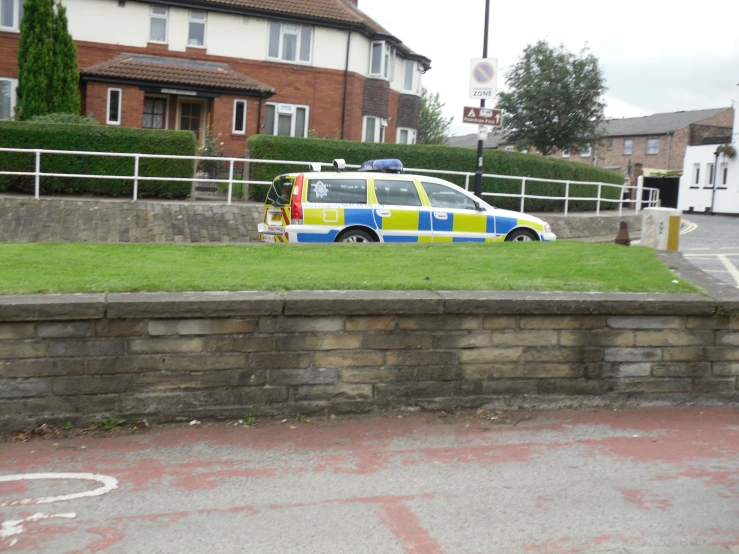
478 172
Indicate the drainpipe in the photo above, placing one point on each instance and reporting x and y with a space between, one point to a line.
669 144
715 180
346 83
259 115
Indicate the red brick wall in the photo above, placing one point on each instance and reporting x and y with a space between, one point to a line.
132 103
8 54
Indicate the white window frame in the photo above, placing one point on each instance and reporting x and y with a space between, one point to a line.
13 92
631 147
724 173
165 17
696 176
587 152
710 175
653 140
204 22
379 131
281 43
283 109
411 135
238 101
120 105
16 24
510 148
566 153
386 61
414 75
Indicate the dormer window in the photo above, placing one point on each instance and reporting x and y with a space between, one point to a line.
381 59
290 42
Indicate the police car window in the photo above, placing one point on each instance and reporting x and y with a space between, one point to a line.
280 191
442 196
338 191
396 193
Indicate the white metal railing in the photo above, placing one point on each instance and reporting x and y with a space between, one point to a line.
136 177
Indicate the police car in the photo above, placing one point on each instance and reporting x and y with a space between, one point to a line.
381 203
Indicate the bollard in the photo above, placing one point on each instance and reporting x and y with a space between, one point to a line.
623 234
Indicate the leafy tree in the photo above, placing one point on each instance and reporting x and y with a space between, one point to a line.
434 127
555 101
65 91
35 59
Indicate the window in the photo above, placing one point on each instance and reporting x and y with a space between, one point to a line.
114 106
239 122
289 42
197 29
287 120
610 144
696 175
11 14
586 152
724 175
7 98
411 76
337 191
566 153
442 196
381 58
653 146
709 170
155 113
158 25
373 129
628 147
510 148
406 136
396 193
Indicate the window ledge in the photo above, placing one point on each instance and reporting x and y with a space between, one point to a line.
10 30
291 62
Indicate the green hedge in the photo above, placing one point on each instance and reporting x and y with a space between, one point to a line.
448 158
52 136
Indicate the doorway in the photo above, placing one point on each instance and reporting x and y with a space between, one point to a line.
192 114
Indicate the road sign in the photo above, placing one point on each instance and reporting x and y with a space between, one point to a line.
483 116
483 78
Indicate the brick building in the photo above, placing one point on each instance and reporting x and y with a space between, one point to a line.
235 68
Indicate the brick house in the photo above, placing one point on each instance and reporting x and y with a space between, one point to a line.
235 68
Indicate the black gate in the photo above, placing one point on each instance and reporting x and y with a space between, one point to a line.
668 189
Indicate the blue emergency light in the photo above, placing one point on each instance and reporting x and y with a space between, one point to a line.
383 166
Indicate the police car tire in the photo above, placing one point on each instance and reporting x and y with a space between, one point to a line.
356 234
520 235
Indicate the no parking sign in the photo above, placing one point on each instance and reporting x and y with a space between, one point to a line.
483 78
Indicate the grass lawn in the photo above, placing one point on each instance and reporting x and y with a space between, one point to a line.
561 266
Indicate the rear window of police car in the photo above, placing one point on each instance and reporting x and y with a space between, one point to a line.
337 191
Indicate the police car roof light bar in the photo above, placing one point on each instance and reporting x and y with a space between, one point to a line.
383 166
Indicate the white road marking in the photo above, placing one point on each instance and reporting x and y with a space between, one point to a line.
730 267
14 527
691 249
109 484
689 227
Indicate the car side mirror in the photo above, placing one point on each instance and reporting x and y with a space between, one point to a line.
479 207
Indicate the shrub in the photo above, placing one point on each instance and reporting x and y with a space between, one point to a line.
447 158
65 119
95 138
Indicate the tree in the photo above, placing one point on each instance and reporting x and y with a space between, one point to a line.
555 101
434 127
65 92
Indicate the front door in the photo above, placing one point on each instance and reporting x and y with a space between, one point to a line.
192 117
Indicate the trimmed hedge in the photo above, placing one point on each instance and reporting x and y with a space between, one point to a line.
447 158
94 138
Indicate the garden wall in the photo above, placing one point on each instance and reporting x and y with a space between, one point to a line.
179 356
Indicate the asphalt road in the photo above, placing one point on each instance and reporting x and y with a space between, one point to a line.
713 245
608 481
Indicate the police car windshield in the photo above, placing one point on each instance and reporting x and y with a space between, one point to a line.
280 191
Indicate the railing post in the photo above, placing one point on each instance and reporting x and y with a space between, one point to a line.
523 193
597 206
136 178
230 180
37 184
567 197
621 202
467 182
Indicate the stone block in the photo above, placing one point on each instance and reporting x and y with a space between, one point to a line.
714 385
723 354
499 322
201 326
685 354
622 303
255 396
574 386
563 322
373 375
420 357
645 322
411 391
397 342
22 349
69 386
239 344
466 340
712 323
161 382
639 384
43 367
537 371
440 323
86 347
725 368
633 354
498 387
192 304
475 372
681 370
511 303
491 355
287 343
674 338
71 329
361 302
525 338
320 376
606 370
438 373
334 392
727 338
596 338
557 355
119 327
164 346
16 331
371 323
176 362
272 360
338 359
52 307
248 378
300 324
24 388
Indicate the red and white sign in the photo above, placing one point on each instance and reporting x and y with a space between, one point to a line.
483 116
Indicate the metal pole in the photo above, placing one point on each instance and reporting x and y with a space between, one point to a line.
715 181
567 197
230 180
478 173
37 185
136 178
523 193
597 206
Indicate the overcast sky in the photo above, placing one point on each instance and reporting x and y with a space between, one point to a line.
657 55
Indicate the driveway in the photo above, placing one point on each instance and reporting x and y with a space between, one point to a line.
566 482
712 244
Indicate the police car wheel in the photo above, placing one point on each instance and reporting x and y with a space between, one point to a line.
520 235
355 236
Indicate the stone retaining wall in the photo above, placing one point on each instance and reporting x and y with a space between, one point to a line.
180 356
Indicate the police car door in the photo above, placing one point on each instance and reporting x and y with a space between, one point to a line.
455 217
399 214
